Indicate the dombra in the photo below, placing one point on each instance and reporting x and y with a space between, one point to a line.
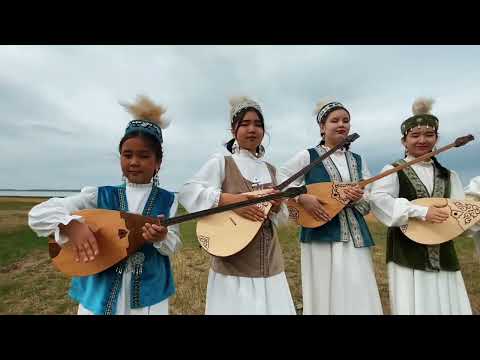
228 233
333 196
119 234
463 214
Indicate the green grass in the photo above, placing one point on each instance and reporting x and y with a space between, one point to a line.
18 243
15 205
30 285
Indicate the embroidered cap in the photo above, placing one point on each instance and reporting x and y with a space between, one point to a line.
149 117
421 116
323 110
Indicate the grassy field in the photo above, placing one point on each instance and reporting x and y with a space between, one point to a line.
30 285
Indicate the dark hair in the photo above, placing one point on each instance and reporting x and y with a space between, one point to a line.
152 143
324 120
239 117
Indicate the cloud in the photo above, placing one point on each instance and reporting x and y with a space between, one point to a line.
61 121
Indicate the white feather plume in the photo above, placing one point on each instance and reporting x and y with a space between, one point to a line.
239 102
320 104
422 105
145 109
235 100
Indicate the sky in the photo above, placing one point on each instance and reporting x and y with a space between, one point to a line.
61 121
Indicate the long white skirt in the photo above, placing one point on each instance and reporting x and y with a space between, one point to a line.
123 302
235 295
338 279
417 292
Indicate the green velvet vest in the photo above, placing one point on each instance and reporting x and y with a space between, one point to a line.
403 251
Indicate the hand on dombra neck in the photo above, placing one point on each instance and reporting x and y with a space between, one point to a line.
314 206
251 212
354 193
437 215
83 240
154 232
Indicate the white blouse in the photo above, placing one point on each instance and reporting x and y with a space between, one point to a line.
44 218
203 190
394 211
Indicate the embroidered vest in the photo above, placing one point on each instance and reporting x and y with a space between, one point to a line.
403 251
263 256
152 278
349 223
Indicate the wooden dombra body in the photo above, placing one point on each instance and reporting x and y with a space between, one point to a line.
463 215
330 193
118 235
227 233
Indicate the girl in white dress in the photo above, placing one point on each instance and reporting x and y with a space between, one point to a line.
142 283
252 281
337 267
422 279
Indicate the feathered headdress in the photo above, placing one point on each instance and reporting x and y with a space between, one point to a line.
148 117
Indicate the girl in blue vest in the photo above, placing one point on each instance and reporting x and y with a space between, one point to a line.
422 280
142 283
337 268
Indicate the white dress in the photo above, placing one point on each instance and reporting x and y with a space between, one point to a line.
44 219
228 294
337 278
418 292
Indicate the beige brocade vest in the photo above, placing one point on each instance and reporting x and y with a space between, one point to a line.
263 256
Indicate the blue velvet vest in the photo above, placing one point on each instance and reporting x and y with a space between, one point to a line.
349 223
152 278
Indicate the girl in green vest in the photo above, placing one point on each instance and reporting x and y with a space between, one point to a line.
422 279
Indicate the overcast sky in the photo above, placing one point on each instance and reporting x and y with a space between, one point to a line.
61 121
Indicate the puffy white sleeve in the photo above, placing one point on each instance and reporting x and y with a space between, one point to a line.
292 166
456 187
172 241
363 205
203 190
281 217
387 206
45 218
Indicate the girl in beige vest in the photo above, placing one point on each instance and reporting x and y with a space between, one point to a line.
252 281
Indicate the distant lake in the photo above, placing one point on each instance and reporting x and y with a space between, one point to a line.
38 193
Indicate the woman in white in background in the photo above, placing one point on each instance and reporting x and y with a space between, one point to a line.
253 280
472 192
422 279
338 276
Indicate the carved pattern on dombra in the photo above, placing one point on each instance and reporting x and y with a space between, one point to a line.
338 193
204 240
464 213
